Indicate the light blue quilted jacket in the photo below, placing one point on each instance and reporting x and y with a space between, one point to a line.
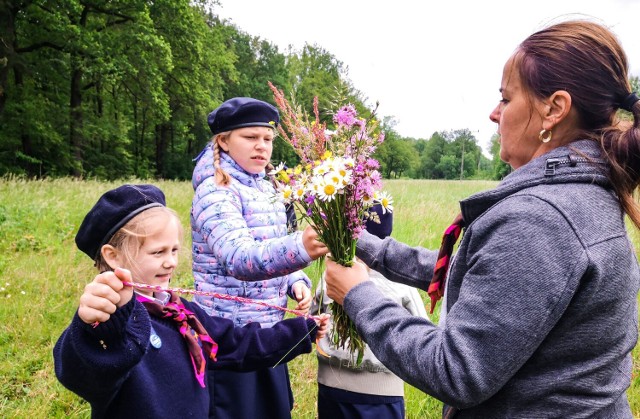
240 244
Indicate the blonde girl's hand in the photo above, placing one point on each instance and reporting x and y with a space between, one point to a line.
104 295
340 279
314 247
302 294
323 326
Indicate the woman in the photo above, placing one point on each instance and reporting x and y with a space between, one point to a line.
539 316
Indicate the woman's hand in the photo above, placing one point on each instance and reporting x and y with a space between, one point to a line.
314 247
104 295
341 279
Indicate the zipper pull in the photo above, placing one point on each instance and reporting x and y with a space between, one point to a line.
550 166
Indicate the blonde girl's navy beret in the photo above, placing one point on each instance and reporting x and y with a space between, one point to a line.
112 211
241 112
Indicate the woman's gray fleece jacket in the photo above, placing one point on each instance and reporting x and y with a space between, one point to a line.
541 312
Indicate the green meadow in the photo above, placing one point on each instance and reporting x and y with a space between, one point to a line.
42 276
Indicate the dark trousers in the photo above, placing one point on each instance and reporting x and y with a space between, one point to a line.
262 394
334 403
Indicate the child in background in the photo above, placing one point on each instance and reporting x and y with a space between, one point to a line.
241 247
144 354
368 390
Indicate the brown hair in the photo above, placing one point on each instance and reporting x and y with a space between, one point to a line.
130 238
586 60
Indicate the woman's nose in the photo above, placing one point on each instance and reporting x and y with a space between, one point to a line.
494 116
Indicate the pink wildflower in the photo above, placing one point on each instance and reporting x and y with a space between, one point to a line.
372 164
346 116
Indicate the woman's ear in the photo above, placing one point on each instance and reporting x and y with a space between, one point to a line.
557 108
111 255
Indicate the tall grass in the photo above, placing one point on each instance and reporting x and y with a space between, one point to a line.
42 276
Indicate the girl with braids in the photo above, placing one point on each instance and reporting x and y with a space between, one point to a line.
539 315
241 247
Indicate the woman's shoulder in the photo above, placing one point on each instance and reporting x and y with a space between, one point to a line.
563 210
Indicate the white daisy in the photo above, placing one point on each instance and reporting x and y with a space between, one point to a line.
276 169
299 193
336 178
287 193
327 191
321 169
386 201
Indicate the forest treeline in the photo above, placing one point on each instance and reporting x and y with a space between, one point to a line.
122 88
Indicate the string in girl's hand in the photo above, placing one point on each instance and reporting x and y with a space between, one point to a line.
298 313
214 295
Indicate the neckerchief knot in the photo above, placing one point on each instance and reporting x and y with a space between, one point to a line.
194 333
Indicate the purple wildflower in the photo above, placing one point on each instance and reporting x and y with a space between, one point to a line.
357 231
346 116
372 164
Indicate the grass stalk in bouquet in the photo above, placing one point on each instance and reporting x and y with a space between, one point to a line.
333 187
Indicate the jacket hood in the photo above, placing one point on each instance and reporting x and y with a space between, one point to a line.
579 161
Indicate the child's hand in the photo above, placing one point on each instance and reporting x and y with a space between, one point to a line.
302 294
314 247
323 326
104 295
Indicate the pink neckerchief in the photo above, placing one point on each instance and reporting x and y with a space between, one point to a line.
195 335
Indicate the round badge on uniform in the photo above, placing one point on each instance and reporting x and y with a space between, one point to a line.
155 340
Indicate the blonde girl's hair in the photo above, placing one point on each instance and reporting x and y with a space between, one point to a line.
222 177
131 237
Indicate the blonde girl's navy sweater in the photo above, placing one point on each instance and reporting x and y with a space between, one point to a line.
116 369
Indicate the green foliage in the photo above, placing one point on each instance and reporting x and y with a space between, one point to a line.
258 62
316 72
500 168
634 81
446 155
123 89
396 155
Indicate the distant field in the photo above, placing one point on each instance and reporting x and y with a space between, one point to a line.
42 275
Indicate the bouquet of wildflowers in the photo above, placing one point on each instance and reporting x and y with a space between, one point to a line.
333 187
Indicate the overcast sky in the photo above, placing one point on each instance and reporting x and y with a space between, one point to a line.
433 66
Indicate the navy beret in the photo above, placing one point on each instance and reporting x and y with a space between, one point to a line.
384 227
241 112
112 211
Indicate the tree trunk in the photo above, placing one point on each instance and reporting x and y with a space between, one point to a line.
7 47
75 120
163 135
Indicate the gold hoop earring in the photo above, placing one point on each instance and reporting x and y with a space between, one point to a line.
545 136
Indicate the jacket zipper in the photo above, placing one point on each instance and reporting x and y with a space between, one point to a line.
572 160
